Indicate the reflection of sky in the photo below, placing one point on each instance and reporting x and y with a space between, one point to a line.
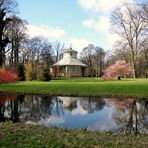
105 121
98 120
52 120
76 112
80 118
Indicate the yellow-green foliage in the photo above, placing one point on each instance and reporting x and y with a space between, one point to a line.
33 71
39 75
28 71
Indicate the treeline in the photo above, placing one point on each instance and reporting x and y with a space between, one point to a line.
35 55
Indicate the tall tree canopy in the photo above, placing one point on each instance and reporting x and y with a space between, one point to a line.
7 8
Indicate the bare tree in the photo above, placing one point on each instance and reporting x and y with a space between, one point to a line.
86 57
127 23
35 44
47 54
58 48
16 33
93 56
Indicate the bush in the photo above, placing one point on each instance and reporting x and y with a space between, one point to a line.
46 76
8 76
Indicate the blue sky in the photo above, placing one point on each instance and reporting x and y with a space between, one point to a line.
76 22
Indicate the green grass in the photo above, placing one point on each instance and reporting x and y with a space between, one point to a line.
81 87
20 135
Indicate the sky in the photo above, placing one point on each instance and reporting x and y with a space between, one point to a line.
72 22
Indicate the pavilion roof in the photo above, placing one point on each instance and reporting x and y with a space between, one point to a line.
69 61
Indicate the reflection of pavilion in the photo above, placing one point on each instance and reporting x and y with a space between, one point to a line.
68 101
74 105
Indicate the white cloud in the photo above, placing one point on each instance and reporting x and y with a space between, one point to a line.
45 31
104 24
100 6
106 5
78 43
100 25
100 10
87 4
88 23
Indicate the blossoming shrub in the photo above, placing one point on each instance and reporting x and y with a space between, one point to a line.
8 76
117 70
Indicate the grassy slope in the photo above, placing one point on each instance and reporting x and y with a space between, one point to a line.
29 136
81 87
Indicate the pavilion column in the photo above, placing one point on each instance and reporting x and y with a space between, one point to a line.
58 71
66 71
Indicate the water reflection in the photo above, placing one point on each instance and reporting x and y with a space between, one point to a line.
96 114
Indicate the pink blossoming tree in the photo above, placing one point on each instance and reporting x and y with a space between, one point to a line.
117 70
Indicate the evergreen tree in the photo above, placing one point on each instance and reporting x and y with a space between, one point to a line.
21 72
46 76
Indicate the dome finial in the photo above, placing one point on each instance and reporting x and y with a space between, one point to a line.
70 46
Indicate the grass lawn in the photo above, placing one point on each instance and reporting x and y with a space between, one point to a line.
81 87
20 135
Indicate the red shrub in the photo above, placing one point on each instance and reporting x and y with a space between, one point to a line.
7 76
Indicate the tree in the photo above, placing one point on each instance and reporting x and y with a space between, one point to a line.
131 28
47 54
117 70
93 57
7 7
58 48
16 33
144 57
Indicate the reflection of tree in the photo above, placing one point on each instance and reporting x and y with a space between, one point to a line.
132 117
2 118
30 107
10 104
40 107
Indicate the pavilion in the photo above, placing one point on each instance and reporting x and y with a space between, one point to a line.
69 65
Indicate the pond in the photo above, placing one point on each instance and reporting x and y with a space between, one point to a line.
92 113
